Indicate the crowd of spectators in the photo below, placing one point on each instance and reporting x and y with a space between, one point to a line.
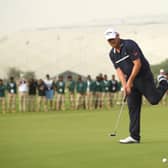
48 94
58 95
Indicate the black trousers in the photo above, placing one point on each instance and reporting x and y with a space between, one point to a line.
143 85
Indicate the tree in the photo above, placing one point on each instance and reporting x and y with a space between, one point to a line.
14 72
17 73
156 68
29 75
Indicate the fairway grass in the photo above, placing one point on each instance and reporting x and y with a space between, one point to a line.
80 139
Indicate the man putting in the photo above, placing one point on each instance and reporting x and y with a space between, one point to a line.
136 77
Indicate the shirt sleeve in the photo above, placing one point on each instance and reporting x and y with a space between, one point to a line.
133 50
113 60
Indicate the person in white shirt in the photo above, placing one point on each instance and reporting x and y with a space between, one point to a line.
23 95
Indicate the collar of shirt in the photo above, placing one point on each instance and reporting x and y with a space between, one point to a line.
121 45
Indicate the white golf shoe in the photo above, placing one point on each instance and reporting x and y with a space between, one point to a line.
128 140
161 78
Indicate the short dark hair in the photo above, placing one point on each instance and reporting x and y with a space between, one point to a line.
48 76
69 76
11 78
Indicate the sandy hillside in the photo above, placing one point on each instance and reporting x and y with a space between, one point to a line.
80 49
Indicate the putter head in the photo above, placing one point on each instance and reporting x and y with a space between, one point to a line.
112 134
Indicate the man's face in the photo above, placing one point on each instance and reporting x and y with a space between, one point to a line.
115 43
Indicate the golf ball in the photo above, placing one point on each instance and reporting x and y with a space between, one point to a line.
164 160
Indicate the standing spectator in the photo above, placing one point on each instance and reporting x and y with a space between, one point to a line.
60 89
71 90
120 93
32 95
89 93
41 106
113 90
23 95
49 92
97 93
2 96
12 91
105 86
80 89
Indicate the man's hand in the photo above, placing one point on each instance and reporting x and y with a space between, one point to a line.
135 70
128 87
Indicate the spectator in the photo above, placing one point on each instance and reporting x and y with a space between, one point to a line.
60 89
12 91
71 89
23 94
32 95
2 96
80 89
49 92
114 85
105 86
97 93
89 93
41 106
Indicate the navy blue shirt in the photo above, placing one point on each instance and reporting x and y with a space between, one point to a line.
129 52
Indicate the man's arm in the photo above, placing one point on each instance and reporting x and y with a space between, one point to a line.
127 85
135 71
121 77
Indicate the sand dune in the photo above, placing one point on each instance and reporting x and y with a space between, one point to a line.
80 49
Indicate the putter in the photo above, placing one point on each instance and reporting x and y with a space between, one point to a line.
118 118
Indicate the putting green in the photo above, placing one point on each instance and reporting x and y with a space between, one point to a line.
80 140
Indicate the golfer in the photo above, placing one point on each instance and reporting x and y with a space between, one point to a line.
136 77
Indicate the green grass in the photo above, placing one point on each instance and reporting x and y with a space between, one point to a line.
79 140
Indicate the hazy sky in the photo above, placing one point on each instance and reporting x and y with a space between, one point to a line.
19 14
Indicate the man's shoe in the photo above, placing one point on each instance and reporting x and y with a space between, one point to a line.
128 140
161 78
